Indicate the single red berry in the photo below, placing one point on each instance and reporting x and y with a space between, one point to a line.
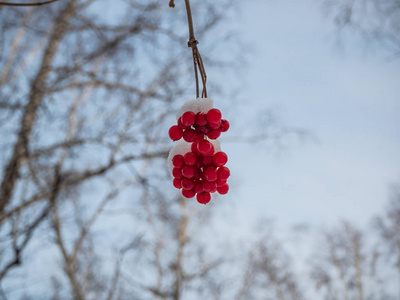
176 172
180 124
190 135
210 174
223 173
188 118
175 133
188 171
224 126
220 182
214 134
188 193
214 126
214 115
220 159
198 187
190 158
187 184
205 147
194 148
203 197
177 161
207 161
223 189
210 187
201 119
177 183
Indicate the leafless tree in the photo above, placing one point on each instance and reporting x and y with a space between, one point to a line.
86 90
388 227
377 21
268 273
345 267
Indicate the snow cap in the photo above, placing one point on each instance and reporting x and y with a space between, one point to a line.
202 105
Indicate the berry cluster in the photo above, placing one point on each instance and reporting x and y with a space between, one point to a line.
201 171
194 127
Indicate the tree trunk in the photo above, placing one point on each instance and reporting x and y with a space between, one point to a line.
178 272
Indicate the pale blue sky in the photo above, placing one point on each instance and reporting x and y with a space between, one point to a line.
348 98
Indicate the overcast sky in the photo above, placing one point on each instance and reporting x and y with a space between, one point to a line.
349 99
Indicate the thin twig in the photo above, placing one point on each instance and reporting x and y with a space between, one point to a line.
192 43
27 4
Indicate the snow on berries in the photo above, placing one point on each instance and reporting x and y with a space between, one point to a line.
196 161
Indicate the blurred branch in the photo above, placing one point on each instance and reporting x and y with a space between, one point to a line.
27 4
20 151
18 249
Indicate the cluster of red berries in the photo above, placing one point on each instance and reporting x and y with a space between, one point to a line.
201 170
193 127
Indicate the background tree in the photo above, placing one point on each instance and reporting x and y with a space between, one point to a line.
388 228
85 95
345 267
268 273
376 21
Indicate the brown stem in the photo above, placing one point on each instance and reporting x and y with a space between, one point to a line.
196 54
27 4
190 21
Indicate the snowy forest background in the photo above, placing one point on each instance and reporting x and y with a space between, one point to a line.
88 90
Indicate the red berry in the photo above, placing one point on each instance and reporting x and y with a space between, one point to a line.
210 187
224 126
214 126
177 161
188 193
177 183
181 125
176 172
223 189
197 173
207 161
190 158
205 147
200 173
175 133
220 182
202 129
188 118
201 119
188 171
194 148
200 136
210 174
223 173
187 184
220 159
190 135
203 197
214 115
214 134
198 187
